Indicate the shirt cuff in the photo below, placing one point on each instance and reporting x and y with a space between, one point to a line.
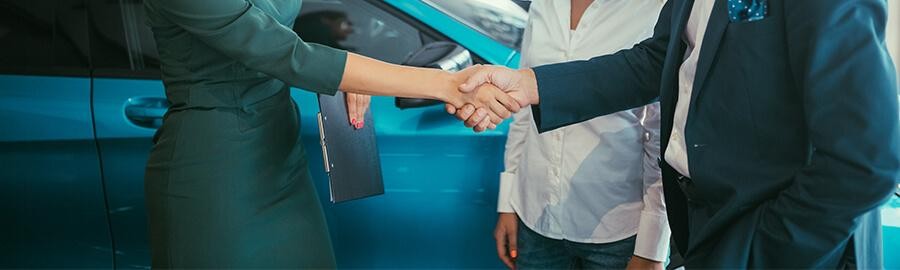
653 237
504 202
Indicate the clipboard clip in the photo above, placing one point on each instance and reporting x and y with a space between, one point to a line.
325 161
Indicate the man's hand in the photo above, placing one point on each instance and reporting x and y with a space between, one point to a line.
496 107
638 263
485 101
505 235
519 84
357 105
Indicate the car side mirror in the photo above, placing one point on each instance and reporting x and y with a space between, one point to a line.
447 56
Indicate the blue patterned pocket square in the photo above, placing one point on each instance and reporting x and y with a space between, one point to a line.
747 10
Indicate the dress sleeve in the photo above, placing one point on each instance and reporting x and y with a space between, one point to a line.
245 33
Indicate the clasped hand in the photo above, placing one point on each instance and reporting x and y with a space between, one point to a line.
490 94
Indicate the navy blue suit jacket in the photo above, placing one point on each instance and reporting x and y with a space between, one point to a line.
792 131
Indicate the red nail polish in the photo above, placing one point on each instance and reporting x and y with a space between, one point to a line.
362 124
353 121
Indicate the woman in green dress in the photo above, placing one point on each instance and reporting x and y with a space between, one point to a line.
227 183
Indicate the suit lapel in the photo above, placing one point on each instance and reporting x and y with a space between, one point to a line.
718 21
675 200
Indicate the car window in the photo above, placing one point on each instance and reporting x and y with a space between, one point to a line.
502 20
359 27
123 44
43 36
121 41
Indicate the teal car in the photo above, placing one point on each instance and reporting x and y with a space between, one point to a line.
80 99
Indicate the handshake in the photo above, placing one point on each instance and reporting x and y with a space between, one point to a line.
484 96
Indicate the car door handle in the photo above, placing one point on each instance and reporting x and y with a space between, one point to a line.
146 112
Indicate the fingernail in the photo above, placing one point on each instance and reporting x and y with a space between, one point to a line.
513 253
353 121
362 124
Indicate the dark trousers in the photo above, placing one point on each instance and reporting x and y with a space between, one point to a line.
539 252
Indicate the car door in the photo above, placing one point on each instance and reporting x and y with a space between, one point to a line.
52 210
890 215
440 178
129 102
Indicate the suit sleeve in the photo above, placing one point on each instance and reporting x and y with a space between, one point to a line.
847 81
577 91
245 33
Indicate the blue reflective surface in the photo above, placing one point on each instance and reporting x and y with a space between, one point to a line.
52 212
890 215
125 146
439 207
487 48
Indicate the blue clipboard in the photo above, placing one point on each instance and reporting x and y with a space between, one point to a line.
350 155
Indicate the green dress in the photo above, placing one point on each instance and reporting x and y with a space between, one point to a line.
227 183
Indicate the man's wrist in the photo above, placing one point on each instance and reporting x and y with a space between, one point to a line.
528 83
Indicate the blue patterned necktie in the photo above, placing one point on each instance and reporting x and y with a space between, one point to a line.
747 10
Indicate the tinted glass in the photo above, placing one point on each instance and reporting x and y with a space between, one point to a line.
120 38
43 35
359 27
502 20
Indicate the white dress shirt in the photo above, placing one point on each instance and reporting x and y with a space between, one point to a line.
676 152
597 181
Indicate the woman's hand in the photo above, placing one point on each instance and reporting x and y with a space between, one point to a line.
505 234
519 84
488 103
487 107
638 263
357 105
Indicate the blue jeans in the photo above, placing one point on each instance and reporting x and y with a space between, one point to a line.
539 252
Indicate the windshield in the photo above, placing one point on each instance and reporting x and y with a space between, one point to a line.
501 20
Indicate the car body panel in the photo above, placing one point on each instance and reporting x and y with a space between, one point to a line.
890 217
125 147
51 190
492 51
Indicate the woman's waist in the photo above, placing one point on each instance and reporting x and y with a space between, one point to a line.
237 94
